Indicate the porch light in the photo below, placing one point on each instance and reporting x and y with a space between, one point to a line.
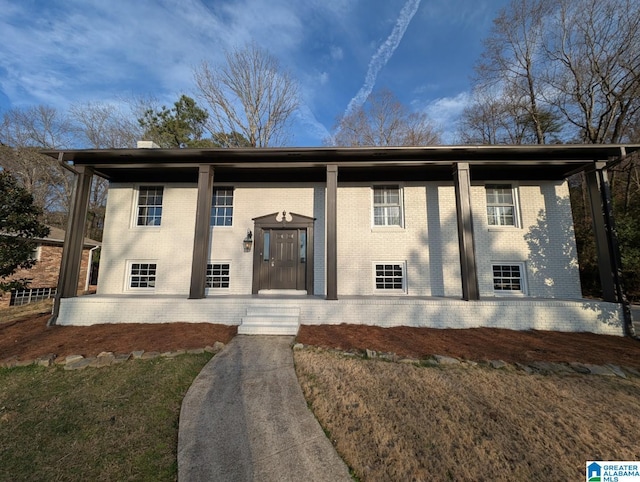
248 241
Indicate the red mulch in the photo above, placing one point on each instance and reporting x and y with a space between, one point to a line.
30 338
478 343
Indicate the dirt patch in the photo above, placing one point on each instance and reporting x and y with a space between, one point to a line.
477 343
393 421
30 338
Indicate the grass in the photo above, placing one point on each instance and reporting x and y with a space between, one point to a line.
393 421
115 423
12 313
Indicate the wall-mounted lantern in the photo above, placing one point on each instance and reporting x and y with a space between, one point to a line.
248 241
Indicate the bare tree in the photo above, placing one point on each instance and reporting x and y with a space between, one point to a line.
23 132
595 48
514 61
502 117
104 126
251 95
383 121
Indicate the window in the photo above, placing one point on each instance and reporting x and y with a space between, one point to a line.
35 254
142 275
508 278
387 206
389 276
149 205
501 205
30 295
222 206
218 275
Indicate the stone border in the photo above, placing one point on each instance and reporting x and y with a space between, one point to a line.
104 359
536 367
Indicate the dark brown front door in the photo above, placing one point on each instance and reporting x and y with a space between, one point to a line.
283 265
283 253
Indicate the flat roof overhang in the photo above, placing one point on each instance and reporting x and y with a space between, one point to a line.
534 162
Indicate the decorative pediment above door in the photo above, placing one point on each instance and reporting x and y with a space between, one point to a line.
284 220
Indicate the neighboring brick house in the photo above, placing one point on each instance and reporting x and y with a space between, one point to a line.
44 274
441 236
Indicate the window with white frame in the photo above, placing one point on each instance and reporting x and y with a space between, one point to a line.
142 275
389 277
501 205
35 254
149 205
508 278
222 206
218 275
387 205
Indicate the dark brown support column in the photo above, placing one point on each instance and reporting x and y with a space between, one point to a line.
332 232
468 269
606 242
74 237
609 259
202 237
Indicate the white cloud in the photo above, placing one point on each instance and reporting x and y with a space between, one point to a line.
313 127
323 78
336 53
445 113
384 53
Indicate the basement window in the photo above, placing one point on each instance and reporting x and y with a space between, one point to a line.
508 279
390 277
218 275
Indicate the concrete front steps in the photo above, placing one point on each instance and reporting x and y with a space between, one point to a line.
270 320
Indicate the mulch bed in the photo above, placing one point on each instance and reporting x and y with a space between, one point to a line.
30 338
478 343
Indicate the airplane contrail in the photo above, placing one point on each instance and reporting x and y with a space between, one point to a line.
384 54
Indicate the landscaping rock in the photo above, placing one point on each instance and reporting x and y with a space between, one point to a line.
446 360
370 353
550 367
617 370
409 361
72 358
122 357
218 346
632 371
47 360
147 355
173 354
498 364
524 368
24 363
78 363
195 351
388 356
580 368
600 370
104 359
298 346
137 354
429 362
9 362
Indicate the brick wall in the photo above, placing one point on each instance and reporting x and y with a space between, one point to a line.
44 274
427 243
524 314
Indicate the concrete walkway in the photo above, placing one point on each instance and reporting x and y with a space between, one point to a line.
245 419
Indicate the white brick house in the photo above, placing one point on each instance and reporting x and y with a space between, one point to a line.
436 236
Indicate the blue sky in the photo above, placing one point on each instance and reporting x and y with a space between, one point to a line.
61 52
